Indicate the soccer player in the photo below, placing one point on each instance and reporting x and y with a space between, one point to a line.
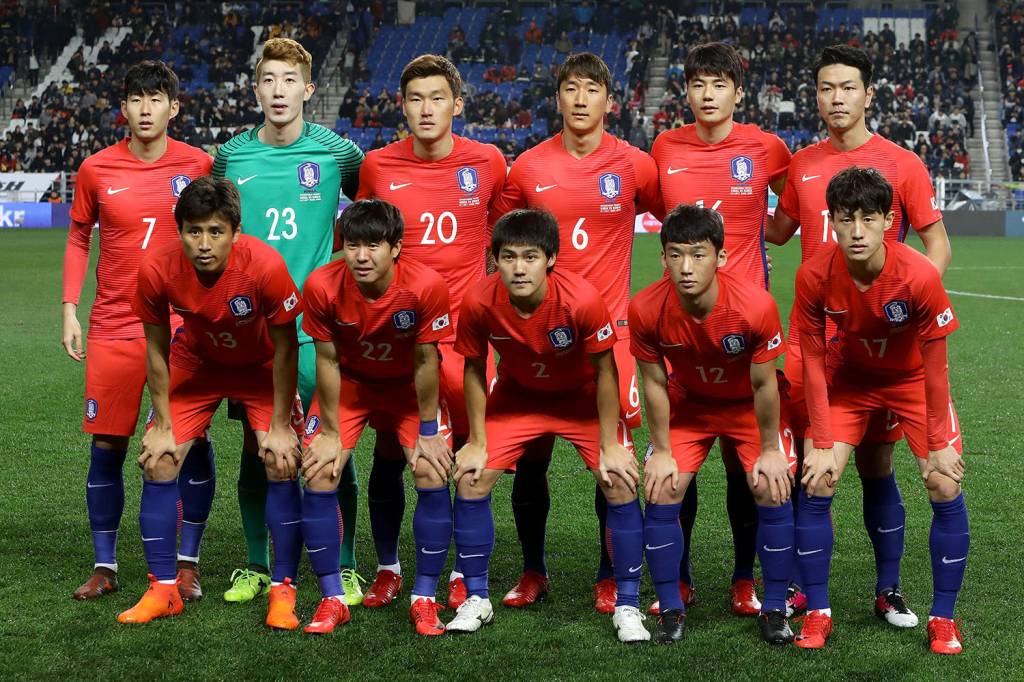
727 167
593 183
844 91
290 173
892 318
129 188
721 333
444 186
377 322
238 340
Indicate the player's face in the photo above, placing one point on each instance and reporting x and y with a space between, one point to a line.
523 269
692 267
208 243
148 114
281 92
713 99
429 107
371 262
842 97
583 104
860 235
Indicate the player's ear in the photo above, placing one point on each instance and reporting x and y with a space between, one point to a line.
551 262
889 218
739 94
723 257
175 107
396 249
236 232
608 104
664 260
309 90
459 104
870 90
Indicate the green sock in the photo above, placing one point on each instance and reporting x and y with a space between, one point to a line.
348 500
252 502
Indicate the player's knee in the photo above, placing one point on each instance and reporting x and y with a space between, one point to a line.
822 488
941 488
322 481
473 491
619 492
276 472
160 469
427 477
668 496
104 442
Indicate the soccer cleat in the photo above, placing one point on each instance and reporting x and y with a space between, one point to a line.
102 581
423 614
456 593
817 626
670 627
796 601
775 628
350 580
246 585
188 581
281 607
474 613
944 636
891 606
384 589
532 586
744 598
159 601
629 625
331 613
606 592
687 593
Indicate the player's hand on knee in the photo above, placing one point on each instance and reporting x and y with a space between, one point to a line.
71 336
157 443
471 460
661 474
771 470
947 462
323 457
280 448
616 460
433 451
820 470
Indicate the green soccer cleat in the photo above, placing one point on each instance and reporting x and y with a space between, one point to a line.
350 581
246 585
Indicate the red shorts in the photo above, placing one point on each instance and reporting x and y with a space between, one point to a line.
517 416
115 375
452 388
629 389
385 407
851 406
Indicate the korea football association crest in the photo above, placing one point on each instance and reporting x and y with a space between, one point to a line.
179 183
610 186
742 168
897 312
468 179
560 337
241 306
309 174
733 344
404 320
92 408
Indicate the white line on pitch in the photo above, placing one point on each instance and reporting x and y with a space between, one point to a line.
969 293
986 267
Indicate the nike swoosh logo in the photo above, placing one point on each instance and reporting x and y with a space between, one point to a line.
539 188
242 181
155 539
630 415
98 485
500 338
813 551
111 190
776 549
651 549
314 551
180 310
291 523
669 345
193 481
835 312
394 187
470 556
433 551
634 569
954 440
889 530
810 177
953 561
673 171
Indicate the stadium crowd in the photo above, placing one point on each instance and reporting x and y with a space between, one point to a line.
1009 37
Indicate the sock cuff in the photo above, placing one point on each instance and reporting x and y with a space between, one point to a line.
663 512
278 484
159 484
106 453
315 494
465 500
781 513
820 505
878 484
440 489
951 506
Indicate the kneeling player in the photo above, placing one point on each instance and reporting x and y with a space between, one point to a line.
556 377
376 324
238 341
893 317
721 335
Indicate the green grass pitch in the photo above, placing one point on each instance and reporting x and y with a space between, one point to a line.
44 536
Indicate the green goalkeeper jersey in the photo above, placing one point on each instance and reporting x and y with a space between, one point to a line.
290 194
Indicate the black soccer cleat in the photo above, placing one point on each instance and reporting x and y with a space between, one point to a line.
671 626
775 628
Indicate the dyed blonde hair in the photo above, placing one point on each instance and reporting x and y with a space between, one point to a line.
288 51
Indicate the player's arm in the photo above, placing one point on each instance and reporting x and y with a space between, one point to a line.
430 445
778 183
615 459
472 457
660 469
942 456
772 463
325 449
350 158
820 462
76 265
280 442
158 440
936 245
780 227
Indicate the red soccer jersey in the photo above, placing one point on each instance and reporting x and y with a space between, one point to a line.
225 324
134 204
710 358
879 330
444 204
375 340
730 177
803 199
547 351
595 201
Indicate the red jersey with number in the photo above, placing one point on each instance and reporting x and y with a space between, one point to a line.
376 340
710 358
595 200
444 204
730 177
226 323
133 202
547 351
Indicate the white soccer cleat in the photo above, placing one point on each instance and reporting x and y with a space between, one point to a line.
474 613
629 625
891 606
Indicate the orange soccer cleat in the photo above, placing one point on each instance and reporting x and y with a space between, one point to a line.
102 581
384 589
744 598
606 593
531 587
331 613
423 614
281 607
687 594
944 636
456 593
159 601
817 626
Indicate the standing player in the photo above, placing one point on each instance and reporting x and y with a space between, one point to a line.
377 323
845 91
130 188
444 186
290 174
593 183
892 317
556 377
238 341
728 167
721 333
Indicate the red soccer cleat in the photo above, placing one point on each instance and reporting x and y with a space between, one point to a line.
159 601
457 593
687 593
423 614
281 607
102 581
384 589
744 598
817 626
188 581
796 601
531 587
606 593
331 613
944 636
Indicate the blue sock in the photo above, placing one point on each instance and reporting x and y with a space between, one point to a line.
814 542
739 504
775 547
197 484
604 568
626 528
284 519
663 537
104 499
432 530
474 541
949 541
531 502
322 530
687 517
885 519
158 521
385 495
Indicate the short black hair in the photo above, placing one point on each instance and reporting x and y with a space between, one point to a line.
714 59
689 224
584 65
858 188
151 77
526 227
206 197
847 56
371 221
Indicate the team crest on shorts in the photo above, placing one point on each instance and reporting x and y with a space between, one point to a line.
312 425
897 312
179 183
309 174
404 319
469 181
241 306
733 344
742 168
610 185
560 337
92 408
